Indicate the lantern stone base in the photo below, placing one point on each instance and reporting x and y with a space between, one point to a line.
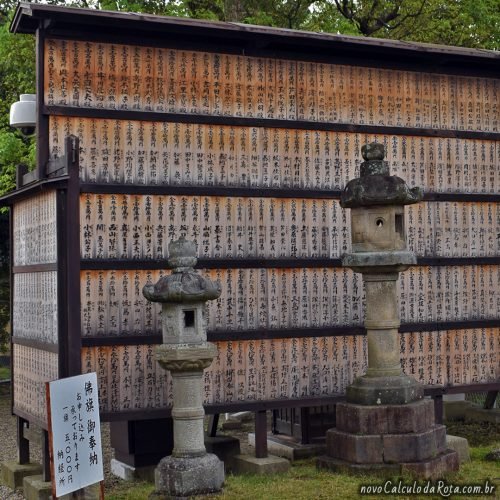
289 447
394 390
249 464
13 473
225 447
187 476
432 469
389 439
35 488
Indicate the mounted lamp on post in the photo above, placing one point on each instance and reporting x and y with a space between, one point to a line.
185 352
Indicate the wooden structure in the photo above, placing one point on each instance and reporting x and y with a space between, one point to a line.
241 138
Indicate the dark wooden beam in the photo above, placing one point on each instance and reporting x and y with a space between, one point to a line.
23 444
117 114
261 434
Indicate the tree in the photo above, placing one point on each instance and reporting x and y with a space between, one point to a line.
17 76
372 16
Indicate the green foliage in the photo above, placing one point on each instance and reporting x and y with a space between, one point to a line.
17 76
464 23
157 7
4 373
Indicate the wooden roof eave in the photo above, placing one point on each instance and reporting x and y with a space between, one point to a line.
28 17
29 190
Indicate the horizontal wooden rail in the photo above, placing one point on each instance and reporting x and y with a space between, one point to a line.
117 114
268 263
307 332
259 192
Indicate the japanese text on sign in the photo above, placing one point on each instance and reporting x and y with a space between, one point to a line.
76 433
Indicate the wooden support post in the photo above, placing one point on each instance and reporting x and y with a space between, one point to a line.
438 408
490 400
274 428
213 422
23 444
305 426
45 456
261 434
22 169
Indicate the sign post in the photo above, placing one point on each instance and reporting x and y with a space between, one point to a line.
74 434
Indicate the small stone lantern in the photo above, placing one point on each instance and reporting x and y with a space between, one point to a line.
185 352
385 425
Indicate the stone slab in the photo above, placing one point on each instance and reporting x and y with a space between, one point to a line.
129 473
354 448
289 448
35 488
375 391
460 445
248 464
455 410
344 467
184 477
243 416
225 447
13 473
433 468
379 261
385 419
413 417
475 414
398 448
229 425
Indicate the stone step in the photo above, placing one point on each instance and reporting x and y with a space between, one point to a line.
386 448
385 419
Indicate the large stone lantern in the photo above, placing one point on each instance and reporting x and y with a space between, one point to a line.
377 200
385 425
185 352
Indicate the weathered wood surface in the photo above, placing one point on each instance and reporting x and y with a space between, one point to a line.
252 299
118 226
32 368
35 307
290 368
173 154
34 230
112 76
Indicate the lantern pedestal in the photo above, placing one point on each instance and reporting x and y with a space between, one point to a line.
184 477
384 382
190 470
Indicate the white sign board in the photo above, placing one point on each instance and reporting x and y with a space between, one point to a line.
76 433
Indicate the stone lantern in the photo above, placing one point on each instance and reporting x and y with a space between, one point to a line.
386 424
377 200
185 352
